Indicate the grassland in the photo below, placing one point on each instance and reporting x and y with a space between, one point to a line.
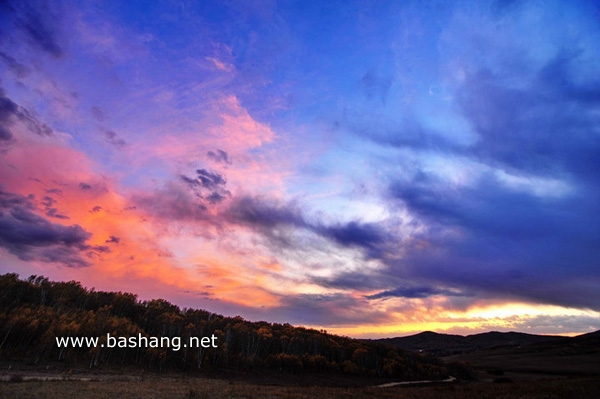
205 388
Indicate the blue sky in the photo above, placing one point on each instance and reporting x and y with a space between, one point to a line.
372 168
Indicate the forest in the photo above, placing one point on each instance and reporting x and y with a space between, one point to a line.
34 311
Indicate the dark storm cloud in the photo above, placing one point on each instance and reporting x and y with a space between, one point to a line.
507 240
493 238
527 226
366 235
32 237
488 207
183 200
264 213
549 128
275 219
219 156
186 199
353 281
415 292
267 213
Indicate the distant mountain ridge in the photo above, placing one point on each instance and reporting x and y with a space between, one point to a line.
449 344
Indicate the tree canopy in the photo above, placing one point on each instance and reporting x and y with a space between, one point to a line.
33 312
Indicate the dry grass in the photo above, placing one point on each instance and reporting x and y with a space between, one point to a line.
200 388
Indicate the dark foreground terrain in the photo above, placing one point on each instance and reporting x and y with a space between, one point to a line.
188 388
496 356
545 369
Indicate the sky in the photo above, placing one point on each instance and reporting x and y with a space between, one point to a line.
372 168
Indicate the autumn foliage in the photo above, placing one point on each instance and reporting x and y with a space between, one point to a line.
35 311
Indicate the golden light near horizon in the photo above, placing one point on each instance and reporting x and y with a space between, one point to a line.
525 310
502 317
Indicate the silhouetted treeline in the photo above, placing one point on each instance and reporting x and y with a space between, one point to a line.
35 311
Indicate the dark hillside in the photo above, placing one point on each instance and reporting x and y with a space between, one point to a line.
34 312
447 344
512 355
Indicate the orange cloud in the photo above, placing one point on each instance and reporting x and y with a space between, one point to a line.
143 250
65 179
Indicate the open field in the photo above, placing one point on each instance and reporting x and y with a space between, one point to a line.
189 388
509 363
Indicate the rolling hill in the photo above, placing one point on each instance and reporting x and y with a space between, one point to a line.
512 355
448 344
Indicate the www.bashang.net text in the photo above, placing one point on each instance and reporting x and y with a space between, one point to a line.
139 341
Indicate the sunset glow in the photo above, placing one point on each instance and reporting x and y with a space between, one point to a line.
369 168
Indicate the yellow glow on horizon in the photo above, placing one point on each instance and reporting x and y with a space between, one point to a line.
507 316
521 310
